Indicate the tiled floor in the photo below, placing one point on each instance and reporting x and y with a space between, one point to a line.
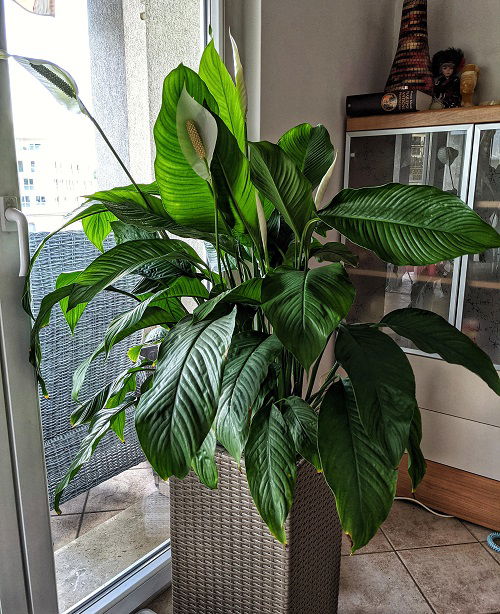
105 530
417 564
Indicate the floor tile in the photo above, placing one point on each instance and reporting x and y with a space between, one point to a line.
64 529
73 506
91 520
143 465
121 491
86 563
379 543
493 553
480 533
410 526
162 604
378 584
460 579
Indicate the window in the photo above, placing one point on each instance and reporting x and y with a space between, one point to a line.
19 166
32 166
25 201
28 184
40 199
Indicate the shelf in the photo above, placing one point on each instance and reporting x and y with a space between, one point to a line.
489 285
487 204
421 119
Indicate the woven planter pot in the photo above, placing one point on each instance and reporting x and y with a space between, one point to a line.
226 562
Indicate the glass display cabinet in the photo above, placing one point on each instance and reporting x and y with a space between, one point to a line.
463 159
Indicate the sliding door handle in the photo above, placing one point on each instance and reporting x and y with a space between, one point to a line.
10 213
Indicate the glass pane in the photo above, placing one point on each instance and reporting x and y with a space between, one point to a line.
481 307
116 510
430 158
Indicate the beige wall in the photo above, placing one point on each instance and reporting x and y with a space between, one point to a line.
474 26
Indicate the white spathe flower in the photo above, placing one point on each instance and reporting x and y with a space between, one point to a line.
197 133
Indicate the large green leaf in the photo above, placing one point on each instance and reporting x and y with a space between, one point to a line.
355 468
302 422
100 426
71 317
124 259
97 227
234 189
124 232
247 292
409 224
94 209
152 316
275 175
203 462
416 461
246 368
186 196
146 199
271 469
219 82
175 415
383 382
432 333
172 309
304 307
334 251
311 150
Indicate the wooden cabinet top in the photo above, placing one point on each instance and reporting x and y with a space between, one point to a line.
421 119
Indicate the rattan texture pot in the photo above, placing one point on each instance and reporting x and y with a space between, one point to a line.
226 562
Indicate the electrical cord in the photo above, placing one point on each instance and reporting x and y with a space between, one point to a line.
422 505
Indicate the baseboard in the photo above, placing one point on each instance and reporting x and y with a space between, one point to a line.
453 491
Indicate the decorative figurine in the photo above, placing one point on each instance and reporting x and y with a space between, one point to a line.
446 68
411 68
468 82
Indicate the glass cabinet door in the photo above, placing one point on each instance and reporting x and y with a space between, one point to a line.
437 157
479 302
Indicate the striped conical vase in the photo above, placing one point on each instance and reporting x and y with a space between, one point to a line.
411 69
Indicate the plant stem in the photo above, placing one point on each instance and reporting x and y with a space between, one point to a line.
229 271
124 292
120 161
317 397
314 373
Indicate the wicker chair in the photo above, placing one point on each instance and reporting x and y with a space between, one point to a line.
62 353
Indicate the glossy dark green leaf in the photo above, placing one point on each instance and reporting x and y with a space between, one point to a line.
247 292
203 462
275 175
409 224
175 415
271 468
416 461
99 427
124 259
125 232
302 422
432 333
217 78
355 468
311 150
186 196
246 368
334 251
383 382
234 189
117 424
305 307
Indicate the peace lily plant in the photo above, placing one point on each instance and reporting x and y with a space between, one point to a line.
240 370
